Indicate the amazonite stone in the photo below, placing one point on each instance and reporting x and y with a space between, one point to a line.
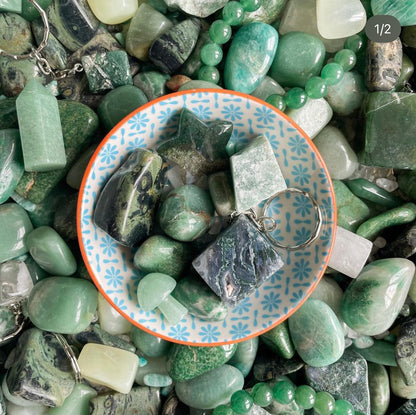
243 358
149 344
278 340
113 12
316 333
198 85
404 11
338 155
50 251
299 56
42 143
146 25
110 319
210 389
374 299
14 224
250 56
378 382
62 304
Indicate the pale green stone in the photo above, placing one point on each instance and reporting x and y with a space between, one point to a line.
245 354
330 293
404 11
157 381
110 319
13 409
374 299
198 85
199 8
268 12
398 385
267 87
11 6
149 344
113 12
153 365
76 172
152 83
15 282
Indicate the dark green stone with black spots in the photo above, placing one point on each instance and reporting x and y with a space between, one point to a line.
79 123
8 114
188 362
126 205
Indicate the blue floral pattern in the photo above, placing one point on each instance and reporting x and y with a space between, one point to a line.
112 264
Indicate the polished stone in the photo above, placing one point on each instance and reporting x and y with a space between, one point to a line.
197 8
378 382
14 6
268 12
15 282
222 193
269 366
151 365
268 86
278 340
404 11
16 36
8 114
110 319
113 12
381 352
398 385
405 350
152 83
243 358
149 344
408 68
330 293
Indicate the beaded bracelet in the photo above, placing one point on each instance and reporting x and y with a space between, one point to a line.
285 392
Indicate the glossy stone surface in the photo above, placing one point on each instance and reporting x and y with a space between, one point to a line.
389 132
151 365
403 246
243 358
222 193
186 213
210 389
126 205
79 123
16 36
8 115
113 12
198 148
330 293
50 251
256 174
381 352
188 362
315 323
197 8
267 87
170 50
278 340
149 344
110 319
14 6
250 56
29 11
405 350
384 64
378 382
200 301
373 300
108 366
41 371
406 73
299 56
270 366
15 224
404 12
229 270
398 385
15 282
344 379
152 83
62 304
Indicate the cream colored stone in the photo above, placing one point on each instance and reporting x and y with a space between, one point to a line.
113 11
110 319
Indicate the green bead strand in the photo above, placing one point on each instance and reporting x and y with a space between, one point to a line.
316 87
346 58
332 73
262 394
250 5
223 410
209 74
277 101
284 392
343 407
296 98
211 54
241 402
220 32
305 396
354 43
324 403
233 13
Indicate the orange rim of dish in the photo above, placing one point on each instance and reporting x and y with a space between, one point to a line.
149 104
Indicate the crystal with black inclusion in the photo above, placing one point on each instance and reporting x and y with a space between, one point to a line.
238 262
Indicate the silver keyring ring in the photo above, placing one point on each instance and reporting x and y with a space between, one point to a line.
71 356
318 225
35 53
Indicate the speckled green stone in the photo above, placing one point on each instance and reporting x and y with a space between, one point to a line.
378 382
193 63
200 301
152 83
380 352
16 36
244 356
404 11
188 362
408 408
399 387
79 123
149 344
29 11
278 340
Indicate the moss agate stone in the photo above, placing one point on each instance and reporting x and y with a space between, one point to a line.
126 205
152 83
41 371
238 262
408 408
250 56
16 36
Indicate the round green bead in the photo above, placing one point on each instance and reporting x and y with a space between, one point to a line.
277 101
233 13
262 394
222 410
220 32
211 54
284 392
324 403
241 402
332 73
343 407
250 5
209 74
296 98
305 396
346 58
316 87
354 43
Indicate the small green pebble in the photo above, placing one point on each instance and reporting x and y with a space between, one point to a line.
250 5
220 32
343 407
332 73
324 403
296 98
209 74
262 394
211 54
277 101
305 396
284 392
223 410
354 43
346 58
241 402
316 87
233 13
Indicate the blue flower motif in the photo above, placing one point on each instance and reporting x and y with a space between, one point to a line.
136 143
301 174
239 331
327 206
232 113
88 246
296 297
179 332
274 142
202 112
209 334
303 206
242 307
298 145
109 245
138 121
164 116
326 237
86 217
301 269
302 235
276 235
108 153
264 115
120 303
271 302
113 276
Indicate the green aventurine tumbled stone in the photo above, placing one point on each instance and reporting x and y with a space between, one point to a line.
250 56
315 323
373 300
188 362
14 6
381 352
149 344
152 83
222 193
11 162
62 304
126 205
41 371
378 382
256 174
244 356
16 36
404 11
211 389
79 123
200 301
278 340
390 131
398 385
